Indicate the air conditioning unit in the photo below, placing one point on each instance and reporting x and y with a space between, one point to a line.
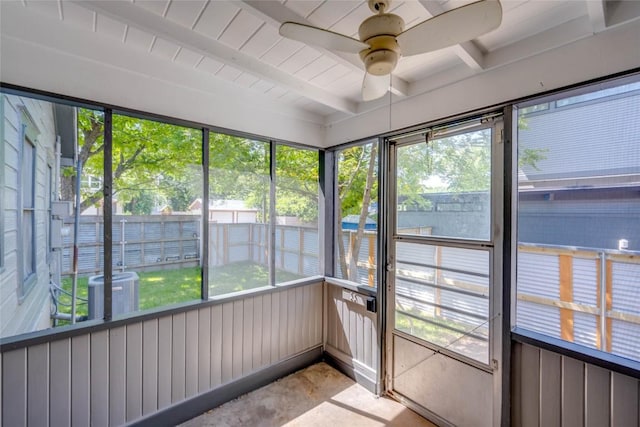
124 294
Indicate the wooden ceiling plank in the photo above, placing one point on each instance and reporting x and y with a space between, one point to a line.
129 13
275 14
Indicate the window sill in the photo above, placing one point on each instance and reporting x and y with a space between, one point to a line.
26 287
585 354
81 328
353 286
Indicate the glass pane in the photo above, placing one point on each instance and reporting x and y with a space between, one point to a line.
42 227
442 296
238 214
357 214
90 244
28 172
443 186
28 203
27 244
297 244
156 222
578 227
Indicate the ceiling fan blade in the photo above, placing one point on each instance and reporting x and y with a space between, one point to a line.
374 87
319 37
452 27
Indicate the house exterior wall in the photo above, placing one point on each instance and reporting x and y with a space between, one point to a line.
22 313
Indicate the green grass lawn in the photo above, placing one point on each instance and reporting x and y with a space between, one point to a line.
165 287
242 276
439 335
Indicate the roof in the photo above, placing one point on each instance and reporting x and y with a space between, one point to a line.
350 222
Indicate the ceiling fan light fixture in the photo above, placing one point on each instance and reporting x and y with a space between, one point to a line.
383 39
380 62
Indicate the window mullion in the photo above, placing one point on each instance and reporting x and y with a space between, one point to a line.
272 213
204 230
108 213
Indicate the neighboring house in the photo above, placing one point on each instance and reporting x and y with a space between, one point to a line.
31 133
226 211
599 189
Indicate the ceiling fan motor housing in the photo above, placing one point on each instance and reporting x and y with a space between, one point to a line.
379 32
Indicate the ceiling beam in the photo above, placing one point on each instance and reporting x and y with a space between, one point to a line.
552 38
276 13
620 12
597 14
129 13
468 52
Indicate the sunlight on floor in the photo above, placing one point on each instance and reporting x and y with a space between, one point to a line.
313 397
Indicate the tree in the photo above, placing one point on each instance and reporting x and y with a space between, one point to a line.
453 164
153 162
357 188
297 183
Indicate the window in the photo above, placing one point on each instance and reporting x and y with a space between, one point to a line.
263 229
3 206
452 172
357 208
28 171
238 214
157 218
578 258
48 197
296 232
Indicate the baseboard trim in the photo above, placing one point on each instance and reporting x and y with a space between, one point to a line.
351 372
197 405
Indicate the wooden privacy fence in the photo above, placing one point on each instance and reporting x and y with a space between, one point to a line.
139 242
587 296
296 248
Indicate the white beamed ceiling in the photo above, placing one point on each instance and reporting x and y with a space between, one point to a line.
224 47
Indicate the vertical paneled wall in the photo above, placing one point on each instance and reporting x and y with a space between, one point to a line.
554 390
115 376
352 331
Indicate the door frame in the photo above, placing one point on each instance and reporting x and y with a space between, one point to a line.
499 318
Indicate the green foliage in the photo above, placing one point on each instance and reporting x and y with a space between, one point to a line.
297 183
238 169
141 204
353 165
153 163
449 164
531 156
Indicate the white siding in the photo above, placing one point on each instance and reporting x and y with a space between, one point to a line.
32 313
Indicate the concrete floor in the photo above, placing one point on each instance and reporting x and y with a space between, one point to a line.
316 396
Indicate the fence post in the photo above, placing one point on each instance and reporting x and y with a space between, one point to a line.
566 295
371 261
601 302
301 253
225 244
438 279
123 243
608 303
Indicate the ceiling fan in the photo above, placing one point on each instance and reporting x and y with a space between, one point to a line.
383 38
